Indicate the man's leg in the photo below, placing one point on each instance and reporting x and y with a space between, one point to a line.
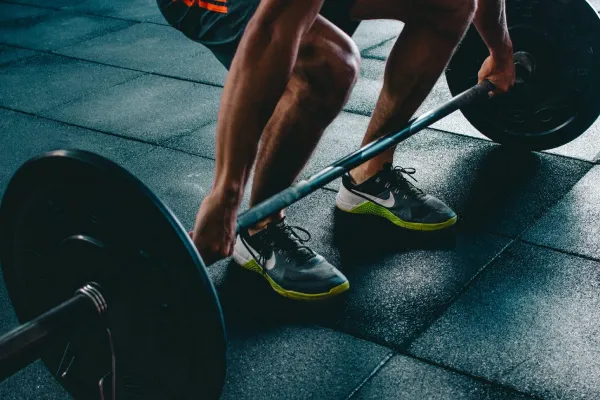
325 73
433 29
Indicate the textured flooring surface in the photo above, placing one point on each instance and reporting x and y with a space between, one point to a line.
503 306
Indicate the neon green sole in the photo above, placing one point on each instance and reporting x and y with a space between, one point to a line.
371 208
253 266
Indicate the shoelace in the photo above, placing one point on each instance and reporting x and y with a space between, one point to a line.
400 172
285 237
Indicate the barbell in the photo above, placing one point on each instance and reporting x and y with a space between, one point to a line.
116 313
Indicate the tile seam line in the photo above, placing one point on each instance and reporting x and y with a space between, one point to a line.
565 252
154 145
75 43
374 372
446 306
166 142
398 351
57 54
374 46
116 135
177 78
66 10
538 245
86 95
477 378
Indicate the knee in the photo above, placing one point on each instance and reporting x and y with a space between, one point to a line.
343 64
329 69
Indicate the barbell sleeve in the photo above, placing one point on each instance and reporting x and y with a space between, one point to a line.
26 343
305 187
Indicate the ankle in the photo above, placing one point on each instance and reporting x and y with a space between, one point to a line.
365 172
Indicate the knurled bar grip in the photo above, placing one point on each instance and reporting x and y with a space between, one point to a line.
305 187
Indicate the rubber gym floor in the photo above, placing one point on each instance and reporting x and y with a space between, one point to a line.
505 306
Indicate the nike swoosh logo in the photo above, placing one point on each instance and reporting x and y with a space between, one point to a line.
270 264
388 203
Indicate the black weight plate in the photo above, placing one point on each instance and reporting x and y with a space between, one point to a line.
562 98
70 217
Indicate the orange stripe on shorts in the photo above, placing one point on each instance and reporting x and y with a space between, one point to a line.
208 6
213 7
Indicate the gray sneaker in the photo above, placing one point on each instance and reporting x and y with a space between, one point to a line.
292 269
391 196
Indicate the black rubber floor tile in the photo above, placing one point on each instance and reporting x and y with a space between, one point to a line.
150 108
11 54
40 83
572 225
14 14
32 382
373 32
530 322
25 136
364 96
135 10
57 29
267 361
491 188
153 48
202 141
406 378
180 180
399 280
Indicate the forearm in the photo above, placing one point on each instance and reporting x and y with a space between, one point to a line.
490 21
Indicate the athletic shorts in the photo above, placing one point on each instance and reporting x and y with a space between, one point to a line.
220 24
